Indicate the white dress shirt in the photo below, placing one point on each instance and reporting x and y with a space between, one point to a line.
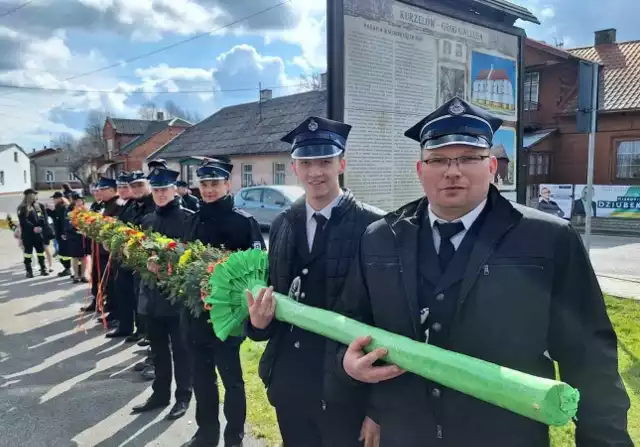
326 212
467 220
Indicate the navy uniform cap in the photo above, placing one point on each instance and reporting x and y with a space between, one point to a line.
57 195
124 179
77 196
182 184
162 178
456 123
214 170
106 183
158 163
137 176
317 138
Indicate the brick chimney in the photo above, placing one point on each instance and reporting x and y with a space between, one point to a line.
160 116
265 95
605 36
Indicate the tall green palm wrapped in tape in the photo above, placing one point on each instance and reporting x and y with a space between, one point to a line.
548 401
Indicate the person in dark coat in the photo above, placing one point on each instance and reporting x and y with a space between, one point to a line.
163 317
189 200
123 274
546 205
59 216
32 216
143 205
97 206
110 207
466 270
78 246
311 247
218 223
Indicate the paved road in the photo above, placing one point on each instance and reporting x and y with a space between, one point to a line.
61 386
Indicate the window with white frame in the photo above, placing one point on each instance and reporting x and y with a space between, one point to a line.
24 175
279 173
1 177
531 90
49 176
628 160
71 177
247 175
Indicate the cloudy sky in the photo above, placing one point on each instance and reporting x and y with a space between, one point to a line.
61 58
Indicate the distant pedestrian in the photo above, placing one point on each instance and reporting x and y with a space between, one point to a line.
33 224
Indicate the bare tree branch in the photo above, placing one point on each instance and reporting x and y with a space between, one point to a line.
148 111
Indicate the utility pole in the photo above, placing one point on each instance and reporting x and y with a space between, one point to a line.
591 153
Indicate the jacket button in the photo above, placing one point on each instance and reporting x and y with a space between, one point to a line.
302 295
440 297
435 393
296 345
305 271
436 327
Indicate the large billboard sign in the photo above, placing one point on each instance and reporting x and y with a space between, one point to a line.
399 63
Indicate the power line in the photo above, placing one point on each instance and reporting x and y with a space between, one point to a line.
17 8
173 45
136 92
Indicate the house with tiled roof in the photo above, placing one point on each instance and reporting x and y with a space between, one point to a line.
130 141
557 152
249 135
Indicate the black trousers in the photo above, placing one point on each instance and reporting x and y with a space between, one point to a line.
31 243
166 338
140 320
310 425
63 252
126 300
206 356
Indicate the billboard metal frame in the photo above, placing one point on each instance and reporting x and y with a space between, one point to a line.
336 53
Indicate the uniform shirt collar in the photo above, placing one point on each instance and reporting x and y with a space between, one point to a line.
467 220
326 211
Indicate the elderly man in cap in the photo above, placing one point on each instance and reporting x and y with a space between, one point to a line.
163 317
466 270
311 248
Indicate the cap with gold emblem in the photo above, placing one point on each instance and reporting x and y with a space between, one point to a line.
162 178
317 138
456 123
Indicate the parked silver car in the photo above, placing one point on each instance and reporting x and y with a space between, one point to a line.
266 202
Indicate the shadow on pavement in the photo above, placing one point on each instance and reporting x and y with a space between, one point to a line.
56 381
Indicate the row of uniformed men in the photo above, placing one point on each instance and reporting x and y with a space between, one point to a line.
461 268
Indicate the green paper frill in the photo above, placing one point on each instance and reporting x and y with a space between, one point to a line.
548 401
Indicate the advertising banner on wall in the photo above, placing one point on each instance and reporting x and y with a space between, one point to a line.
556 200
400 63
619 201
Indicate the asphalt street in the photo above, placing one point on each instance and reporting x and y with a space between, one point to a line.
62 383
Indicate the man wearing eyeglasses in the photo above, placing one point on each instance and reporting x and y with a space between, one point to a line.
465 270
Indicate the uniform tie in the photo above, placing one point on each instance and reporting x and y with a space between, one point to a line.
447 250
317 237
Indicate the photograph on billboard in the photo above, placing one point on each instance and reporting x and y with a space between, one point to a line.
621 201
556 200
402 62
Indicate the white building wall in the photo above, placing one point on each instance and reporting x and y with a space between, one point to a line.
15 171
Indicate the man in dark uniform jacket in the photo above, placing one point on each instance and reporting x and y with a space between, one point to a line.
96 207
188 200
124 275
311 247
59 216
466 270
218 223
163 317
143 205
106 192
